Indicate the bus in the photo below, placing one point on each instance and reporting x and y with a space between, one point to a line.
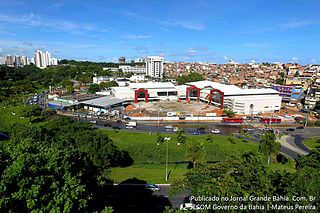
235 120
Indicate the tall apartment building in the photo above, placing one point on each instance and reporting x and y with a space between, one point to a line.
154 66
16 61
122 60
10 60
25 60
43 59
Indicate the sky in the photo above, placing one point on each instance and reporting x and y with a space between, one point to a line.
212 31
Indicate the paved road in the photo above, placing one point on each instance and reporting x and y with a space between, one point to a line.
300 135
292 148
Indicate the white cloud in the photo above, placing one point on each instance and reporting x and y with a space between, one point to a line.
294 59
295 24
185 24
33 20
137 36
279 27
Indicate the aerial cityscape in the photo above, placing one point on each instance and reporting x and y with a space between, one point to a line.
163 106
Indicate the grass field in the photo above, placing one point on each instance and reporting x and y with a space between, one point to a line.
312 142
7 119
288 166
151 173
149 158
143 147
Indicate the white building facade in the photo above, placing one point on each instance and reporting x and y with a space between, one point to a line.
43 59
154 66
134 70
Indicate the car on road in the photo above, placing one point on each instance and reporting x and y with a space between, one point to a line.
215 131
202 130
93 122
175 129
168 127
196 133
290 130
300 127
153 187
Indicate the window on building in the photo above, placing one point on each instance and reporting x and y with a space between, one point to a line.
172 93
162 93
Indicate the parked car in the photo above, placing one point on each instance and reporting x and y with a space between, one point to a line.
290 129
153 187
175 129
196 133
215 131
168 127
300 127
93 122
201 130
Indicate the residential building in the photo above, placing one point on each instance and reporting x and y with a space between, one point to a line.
154 66
312 97
134 70
10 60
43 59
289 92
122 60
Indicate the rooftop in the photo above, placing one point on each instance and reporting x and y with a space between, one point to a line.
152 85
231 89
104 102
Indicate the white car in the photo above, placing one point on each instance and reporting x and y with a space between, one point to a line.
168 127
93 122
215 131
175 129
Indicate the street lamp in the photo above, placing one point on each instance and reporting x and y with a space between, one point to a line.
159 109
167 153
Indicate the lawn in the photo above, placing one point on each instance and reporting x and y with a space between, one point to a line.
7 119
149 158
312 142
288 166
143 147
151 173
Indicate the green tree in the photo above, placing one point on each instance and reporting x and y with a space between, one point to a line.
195 152
69 89
229 112
268 145
160 138
209 138
31 110
190 78
279 81
93 88
181 136
62 166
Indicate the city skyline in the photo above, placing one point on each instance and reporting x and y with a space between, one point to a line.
212 31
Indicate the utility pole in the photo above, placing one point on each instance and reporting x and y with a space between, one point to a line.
167 156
